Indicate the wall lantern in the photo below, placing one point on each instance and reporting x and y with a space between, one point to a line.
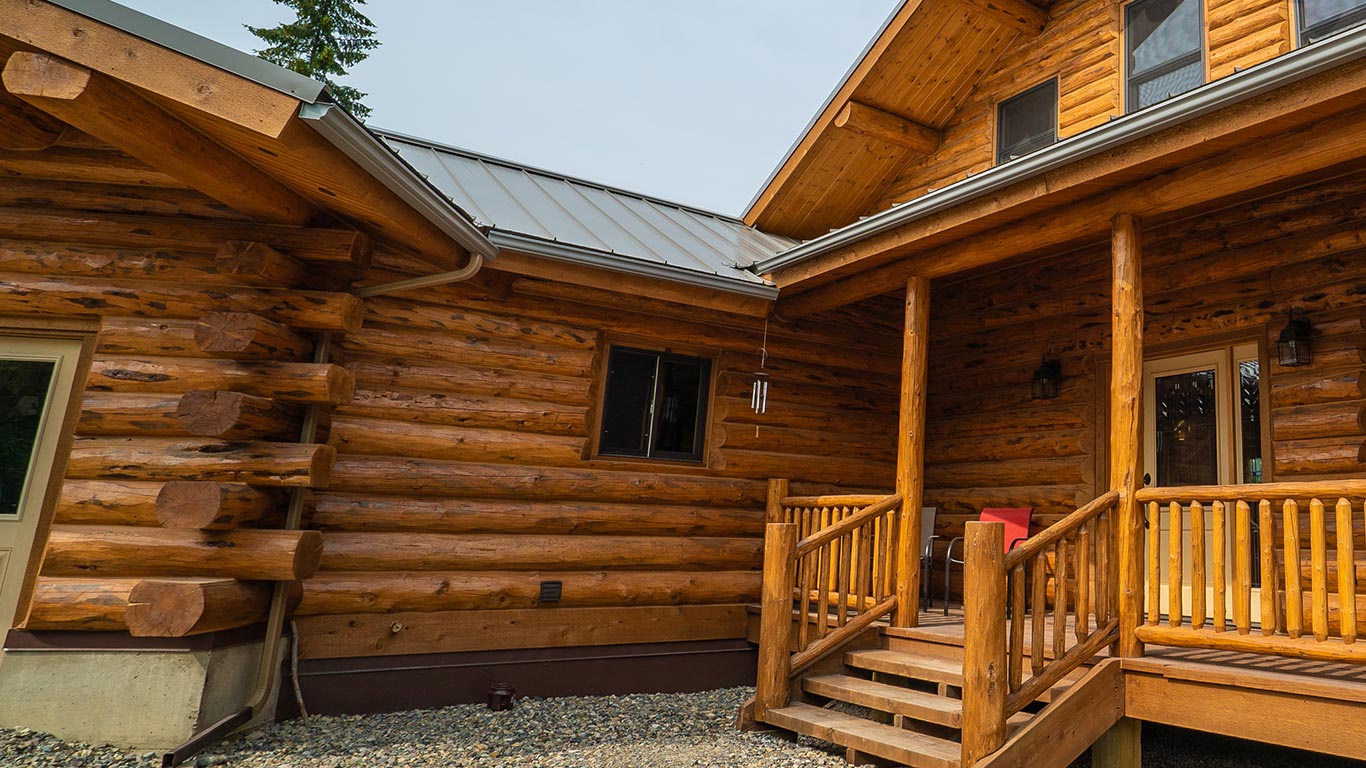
1044 384
1292 348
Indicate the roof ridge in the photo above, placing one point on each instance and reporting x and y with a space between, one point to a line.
487 158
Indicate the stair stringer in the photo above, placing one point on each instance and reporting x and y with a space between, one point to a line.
1064 729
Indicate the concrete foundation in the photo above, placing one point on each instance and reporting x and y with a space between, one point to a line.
143 699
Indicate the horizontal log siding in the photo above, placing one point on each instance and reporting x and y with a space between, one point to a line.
465 475
1231 276
1082 47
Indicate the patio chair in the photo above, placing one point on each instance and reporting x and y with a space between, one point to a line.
1016 520
927 537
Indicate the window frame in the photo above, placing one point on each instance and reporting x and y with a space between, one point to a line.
702 428
1131 84
1310 35
1001 157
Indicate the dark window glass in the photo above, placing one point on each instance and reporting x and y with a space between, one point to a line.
1163 48
1028 122
1187 429
24 387
1250 413
654 405
1321 18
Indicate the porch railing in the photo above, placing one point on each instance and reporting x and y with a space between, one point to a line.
1308 607
832 560
1058 590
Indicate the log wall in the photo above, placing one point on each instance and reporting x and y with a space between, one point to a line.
1223 279
1082 47
465 473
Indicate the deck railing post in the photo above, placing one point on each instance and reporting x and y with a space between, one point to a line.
910 452
985 683
773 509
1126 399
771 689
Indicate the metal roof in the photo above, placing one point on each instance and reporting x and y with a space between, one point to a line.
558 216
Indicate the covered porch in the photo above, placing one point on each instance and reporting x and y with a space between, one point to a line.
1244 585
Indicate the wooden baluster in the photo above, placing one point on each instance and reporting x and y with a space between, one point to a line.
1174 526
1038 613
1197 565
823 574
1294 591
1219 572
1102 569
875 552
1242 567
889 562
1017 625
846 563
1060 599
775 619
1083 610
1347 581
863 588
1318 555
1154 564
807 580
1267 541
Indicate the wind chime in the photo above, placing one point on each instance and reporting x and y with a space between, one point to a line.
758 399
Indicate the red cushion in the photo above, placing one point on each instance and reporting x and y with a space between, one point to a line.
1016 520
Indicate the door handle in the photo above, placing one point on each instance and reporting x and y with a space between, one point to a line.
1147 479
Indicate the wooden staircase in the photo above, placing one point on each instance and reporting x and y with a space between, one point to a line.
899 701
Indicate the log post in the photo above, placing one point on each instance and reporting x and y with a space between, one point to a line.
910 453
1126 400
771 689
1119 747
215 506
773 508
236 415
244 336
984 659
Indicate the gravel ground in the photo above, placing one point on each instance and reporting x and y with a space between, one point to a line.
659 731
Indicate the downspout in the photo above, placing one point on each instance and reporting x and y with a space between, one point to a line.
268 668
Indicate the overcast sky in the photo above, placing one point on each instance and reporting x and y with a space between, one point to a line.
693 101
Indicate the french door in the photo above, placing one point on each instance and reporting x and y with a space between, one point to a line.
1202 426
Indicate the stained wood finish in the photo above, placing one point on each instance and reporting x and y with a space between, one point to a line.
184 607
910 465
122 551
1126 398
215 506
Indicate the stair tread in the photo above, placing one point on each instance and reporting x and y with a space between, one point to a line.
907 747
888 698
907 665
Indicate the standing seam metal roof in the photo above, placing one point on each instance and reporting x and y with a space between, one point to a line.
517 199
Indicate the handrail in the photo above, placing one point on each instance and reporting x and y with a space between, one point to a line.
827 535
1268 491
1048 536
839 579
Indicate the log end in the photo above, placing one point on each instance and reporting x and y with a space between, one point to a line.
165 608
308 554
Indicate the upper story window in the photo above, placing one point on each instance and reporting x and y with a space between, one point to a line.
1163 50
654 405
1321 18
1028 122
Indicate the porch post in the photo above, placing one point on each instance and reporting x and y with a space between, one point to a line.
910 450
1126 399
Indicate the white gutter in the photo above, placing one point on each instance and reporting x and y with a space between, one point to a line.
576 254
352 137
1339 50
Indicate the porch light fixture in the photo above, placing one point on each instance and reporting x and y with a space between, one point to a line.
1292 348
1044 384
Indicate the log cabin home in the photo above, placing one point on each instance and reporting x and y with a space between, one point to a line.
303 411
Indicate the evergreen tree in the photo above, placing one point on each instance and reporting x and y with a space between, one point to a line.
325 38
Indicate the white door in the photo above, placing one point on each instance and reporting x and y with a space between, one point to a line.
36 380
1201 426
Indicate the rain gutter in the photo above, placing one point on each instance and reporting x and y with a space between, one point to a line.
1306 62
743 283
356 141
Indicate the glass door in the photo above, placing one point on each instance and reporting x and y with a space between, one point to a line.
36 381
1202 426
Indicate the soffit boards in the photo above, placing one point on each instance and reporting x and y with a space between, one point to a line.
926 60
